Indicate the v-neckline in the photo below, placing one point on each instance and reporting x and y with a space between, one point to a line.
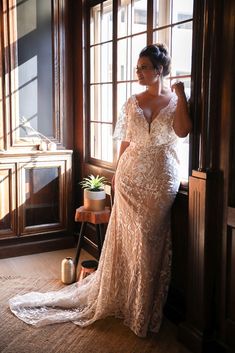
156 116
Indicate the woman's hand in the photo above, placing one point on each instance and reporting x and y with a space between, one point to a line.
178 87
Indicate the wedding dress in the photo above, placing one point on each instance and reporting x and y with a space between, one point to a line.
133 275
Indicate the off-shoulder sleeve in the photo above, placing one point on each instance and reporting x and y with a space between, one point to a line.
121 131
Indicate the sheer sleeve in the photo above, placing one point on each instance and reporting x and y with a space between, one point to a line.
121 131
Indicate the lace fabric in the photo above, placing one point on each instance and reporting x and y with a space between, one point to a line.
133 275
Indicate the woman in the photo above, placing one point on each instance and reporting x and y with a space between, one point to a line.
132 278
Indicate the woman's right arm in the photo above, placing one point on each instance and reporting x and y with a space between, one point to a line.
123 147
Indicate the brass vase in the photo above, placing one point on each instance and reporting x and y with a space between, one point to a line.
68 271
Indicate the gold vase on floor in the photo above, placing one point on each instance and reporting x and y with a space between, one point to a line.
68 271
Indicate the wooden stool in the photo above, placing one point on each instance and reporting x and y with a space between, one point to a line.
94 217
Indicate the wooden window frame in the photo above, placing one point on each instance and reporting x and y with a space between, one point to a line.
149 34
8 52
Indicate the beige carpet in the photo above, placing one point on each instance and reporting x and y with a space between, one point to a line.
105 336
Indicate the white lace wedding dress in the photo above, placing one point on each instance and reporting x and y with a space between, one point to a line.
133 275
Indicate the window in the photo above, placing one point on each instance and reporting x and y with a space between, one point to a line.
119 29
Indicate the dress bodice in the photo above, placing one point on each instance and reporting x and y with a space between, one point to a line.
133 127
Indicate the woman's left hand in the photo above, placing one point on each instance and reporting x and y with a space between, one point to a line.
178 87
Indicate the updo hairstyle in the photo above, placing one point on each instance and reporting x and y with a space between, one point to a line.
159 56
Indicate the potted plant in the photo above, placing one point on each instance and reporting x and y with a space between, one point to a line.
94 194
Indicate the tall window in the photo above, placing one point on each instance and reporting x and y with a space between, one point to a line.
118 30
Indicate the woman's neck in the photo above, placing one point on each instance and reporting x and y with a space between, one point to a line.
155 90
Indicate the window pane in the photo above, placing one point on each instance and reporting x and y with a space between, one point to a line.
161 13
107 142
181 51
95 140
101 103
138 43
107 103
137 88
162 36
95 99
123 92
124 18
123 59
32 72
95 24
95 64
107 21
139 16
101 141
182 10
106 60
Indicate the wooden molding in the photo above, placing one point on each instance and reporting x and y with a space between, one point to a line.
204 230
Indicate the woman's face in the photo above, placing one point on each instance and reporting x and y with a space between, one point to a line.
145 72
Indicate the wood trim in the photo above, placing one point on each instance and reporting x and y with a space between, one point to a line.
34 245
58 44
1 80
205 226
231 217
39 163
8 191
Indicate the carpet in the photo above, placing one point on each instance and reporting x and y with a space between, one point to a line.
105 336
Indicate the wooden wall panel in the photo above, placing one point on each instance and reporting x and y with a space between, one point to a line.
230 295
8 211
204 230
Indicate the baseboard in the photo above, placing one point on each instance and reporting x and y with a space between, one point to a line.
34 245
196 342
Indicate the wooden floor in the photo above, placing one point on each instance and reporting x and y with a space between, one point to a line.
44 265
48 266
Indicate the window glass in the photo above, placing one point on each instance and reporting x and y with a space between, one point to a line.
107 21
100 141
138 43
106 62
95 24
95 71
124 18
163 36
32 76
139 16
95 100
123 92
181 51
182 10
123 59
161 13
106 103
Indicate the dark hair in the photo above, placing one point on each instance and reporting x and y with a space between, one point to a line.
158 54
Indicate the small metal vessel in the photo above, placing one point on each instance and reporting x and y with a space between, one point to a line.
68 271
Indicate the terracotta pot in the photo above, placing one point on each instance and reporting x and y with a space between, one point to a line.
94 200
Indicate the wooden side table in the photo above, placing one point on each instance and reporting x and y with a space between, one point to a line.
94 217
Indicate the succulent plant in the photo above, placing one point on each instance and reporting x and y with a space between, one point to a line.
93 183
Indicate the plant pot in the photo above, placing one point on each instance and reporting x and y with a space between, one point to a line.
94 200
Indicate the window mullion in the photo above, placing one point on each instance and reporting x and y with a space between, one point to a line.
150 22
